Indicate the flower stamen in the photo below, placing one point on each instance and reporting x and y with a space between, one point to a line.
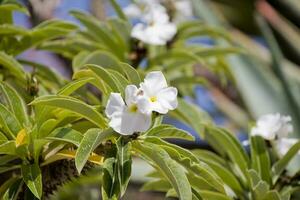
153 99
133 108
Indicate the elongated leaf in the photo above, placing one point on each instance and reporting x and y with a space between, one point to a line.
33 178
111 183
66 135
167 166
3 138
15 103
8 147
190 162
14 190
131 74
9 122
6 185
106 76
70 154
213 195
124 163
225 142
168 131
101 58
281 164
73 105
99 31
191 115
260 158
118 9
15 68
157 185
92 138
272 195
97 82
73 86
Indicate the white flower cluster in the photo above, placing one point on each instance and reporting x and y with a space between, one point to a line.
277 128
134 115
155 27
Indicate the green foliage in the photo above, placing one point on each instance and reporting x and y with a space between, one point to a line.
44 118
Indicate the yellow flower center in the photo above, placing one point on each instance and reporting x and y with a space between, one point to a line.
153 99
133 108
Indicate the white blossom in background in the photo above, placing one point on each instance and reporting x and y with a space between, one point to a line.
155 28
272 126
277 128
125 117
134 115
184 10
283 145
157 96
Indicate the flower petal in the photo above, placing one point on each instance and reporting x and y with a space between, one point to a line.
283 145
134 122
167 97
144 105
115 104
130 94
153 83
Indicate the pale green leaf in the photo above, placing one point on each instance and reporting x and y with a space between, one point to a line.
33 178
74 105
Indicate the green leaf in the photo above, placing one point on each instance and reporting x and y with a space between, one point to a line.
258 186
157 185
12 30
6 10
104 59
15 103
177 54
118 9
209 156
99 31
124 163
227 177
14 190
74 105
191 115
33 178
225 142
106 76
97 82
73 86
167 166
66 135
3 138
15 68
272 195
213 195
190 162
9 122
281 164
5 186
131 74
260 158
92 138
111 183
168 131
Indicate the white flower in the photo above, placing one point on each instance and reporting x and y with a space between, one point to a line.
272 126
127 118
283 145
137 9
156 95
156 29
156 34
183 10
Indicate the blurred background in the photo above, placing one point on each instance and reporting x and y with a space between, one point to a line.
266 79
